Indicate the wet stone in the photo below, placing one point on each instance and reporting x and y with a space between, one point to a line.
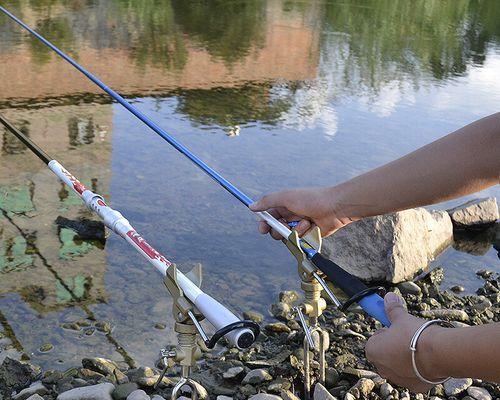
281 311
103 326
253 316
457 289
233 373
101 391
386 389
35 397
45 348
288 296
159 325
101 365
277 327
456 315
478 393
72 326
16 375
34 388
409 288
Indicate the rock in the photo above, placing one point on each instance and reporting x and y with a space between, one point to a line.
455 315
101 365
475 213
158 397
257 376
101 391
478 393
386 389
361 373
122 391
392 247
160 326
453 387
281 311
247 390
320 393
233 373
484 273
86 229
331 377
288 296
16 375
264 396
349 396
409 288
45 348
287 395
364 385
457 289
220 397
253 316
34 388
103 326
483 304
35 397
120 377
277 327
138 395
135 374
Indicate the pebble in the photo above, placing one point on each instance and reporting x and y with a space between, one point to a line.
348 396
320 393
257 376
365 386
484 273
454 386
103 326
122 391
221 397
457 315
101 365
277 327
253 316
233 372
265 396
159 325
478 393
386 389
483 304
35 397
35 388
281 311
288 296
457 289
138 395
158 397
45 348
287 395
409 288
101 391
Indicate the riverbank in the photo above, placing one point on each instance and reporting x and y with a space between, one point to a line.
272 368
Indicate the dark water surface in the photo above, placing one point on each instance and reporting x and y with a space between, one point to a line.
273 94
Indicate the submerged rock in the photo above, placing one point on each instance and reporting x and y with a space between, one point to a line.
393 247
85 229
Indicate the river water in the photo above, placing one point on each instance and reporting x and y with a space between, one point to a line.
273 94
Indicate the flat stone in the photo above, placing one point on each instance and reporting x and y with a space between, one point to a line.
122 391
361 373
101 391
277 327
34 388
257 376
101 365
233 373
475 213
409 288
320 393
455 315
453 386
138 395
392 247
478 393
265 396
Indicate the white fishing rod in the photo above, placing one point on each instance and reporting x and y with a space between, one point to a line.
239 333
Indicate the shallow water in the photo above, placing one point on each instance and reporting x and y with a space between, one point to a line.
272 94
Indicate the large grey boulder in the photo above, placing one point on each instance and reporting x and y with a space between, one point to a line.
475 213
392 247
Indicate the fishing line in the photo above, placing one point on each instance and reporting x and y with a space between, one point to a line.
367 298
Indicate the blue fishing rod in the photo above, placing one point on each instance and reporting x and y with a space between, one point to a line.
355 289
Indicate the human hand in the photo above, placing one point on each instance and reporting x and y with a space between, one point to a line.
312 206
389 348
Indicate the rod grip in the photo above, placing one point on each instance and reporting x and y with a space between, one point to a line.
373 304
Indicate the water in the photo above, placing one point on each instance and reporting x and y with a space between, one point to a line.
273 94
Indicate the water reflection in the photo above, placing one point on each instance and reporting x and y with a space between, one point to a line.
316 86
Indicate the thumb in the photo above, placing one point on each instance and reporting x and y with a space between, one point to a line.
394 306
269 201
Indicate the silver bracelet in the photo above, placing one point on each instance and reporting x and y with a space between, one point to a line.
413 348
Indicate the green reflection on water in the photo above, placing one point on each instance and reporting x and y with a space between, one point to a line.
71 248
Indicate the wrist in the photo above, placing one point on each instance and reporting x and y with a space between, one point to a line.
430 356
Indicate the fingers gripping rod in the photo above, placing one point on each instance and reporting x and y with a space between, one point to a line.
372 303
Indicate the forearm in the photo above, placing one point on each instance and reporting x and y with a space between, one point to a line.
460 163
463 352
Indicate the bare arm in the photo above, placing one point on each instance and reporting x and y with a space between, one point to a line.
460 163
441 352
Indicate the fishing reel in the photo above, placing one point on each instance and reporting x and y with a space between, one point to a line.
187 326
